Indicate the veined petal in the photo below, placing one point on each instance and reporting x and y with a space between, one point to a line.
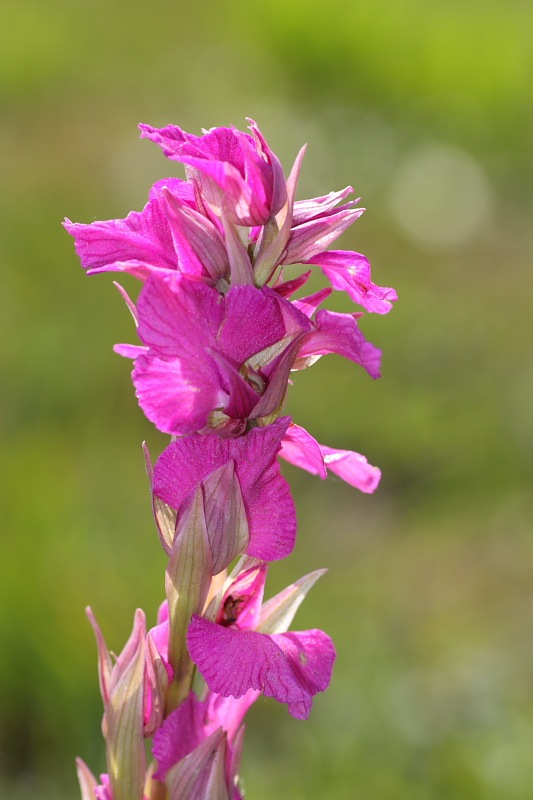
142 237
179 735
178 317
86 779
305 210
105 662
198 244
291 667
352 468
201 774
316 235
225 516
156 680
275 235
339 333
124 717
187 580
298 447
349 272
177 395
278 613
266 495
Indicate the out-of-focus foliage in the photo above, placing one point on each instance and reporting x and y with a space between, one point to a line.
426 108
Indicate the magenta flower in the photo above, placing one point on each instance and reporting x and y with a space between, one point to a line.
206 352
199 747
220 360
265 493
246 647
237 174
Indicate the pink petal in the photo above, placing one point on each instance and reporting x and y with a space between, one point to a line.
288 288
291 667
178 317
316 235
308 305
242 601
141 238
179 735
197 242
352 468
349 272
266 495
305 210
299 448
228 712
256 319
177 395
339 333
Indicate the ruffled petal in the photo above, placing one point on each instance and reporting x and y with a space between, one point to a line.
291 667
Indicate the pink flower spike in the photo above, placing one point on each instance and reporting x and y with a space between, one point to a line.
291 667
349 272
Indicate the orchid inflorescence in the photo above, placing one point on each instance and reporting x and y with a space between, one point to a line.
220 334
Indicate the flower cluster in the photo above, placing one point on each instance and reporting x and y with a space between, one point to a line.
220 332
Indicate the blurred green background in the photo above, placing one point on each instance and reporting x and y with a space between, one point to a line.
426 108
